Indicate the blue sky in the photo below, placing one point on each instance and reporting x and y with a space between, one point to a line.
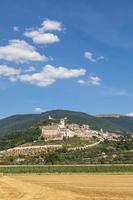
73 54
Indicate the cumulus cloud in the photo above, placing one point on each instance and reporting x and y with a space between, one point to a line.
39 110
91 80
94 80
41 35
88 55
52 25
20 51
10 72
49 74
47 38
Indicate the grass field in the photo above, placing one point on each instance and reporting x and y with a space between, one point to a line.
66 187
40 169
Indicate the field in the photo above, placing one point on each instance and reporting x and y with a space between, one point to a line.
43 169
66 187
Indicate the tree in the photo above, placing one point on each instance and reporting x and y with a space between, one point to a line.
51 157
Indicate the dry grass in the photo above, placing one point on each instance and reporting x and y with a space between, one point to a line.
66 187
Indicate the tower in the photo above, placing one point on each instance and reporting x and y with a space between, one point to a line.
62 123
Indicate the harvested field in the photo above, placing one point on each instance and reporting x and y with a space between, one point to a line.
66 187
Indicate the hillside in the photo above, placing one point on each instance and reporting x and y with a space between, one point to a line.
24 131
22 122
18 123
124 122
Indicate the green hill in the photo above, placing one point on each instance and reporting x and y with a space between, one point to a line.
22 122
124 122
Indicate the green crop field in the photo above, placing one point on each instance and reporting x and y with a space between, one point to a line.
66 169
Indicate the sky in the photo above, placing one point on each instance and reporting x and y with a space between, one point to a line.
75 55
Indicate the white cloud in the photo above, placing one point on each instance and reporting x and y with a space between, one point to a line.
52 25
50 74
39 110
81 81
20 51
30 69
88 55
41 36
92 80
46 38
8 71
129 114
15 28
100 58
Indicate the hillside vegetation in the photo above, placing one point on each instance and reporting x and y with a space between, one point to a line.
20 123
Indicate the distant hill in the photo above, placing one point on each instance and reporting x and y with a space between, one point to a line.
17 123
109 115
125 123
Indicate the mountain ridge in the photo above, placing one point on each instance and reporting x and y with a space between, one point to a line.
20 122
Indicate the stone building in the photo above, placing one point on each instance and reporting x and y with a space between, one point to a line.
52 132
58 131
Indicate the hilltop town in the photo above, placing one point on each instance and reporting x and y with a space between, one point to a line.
60 137
57 131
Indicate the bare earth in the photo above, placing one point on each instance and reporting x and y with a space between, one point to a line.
66 187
